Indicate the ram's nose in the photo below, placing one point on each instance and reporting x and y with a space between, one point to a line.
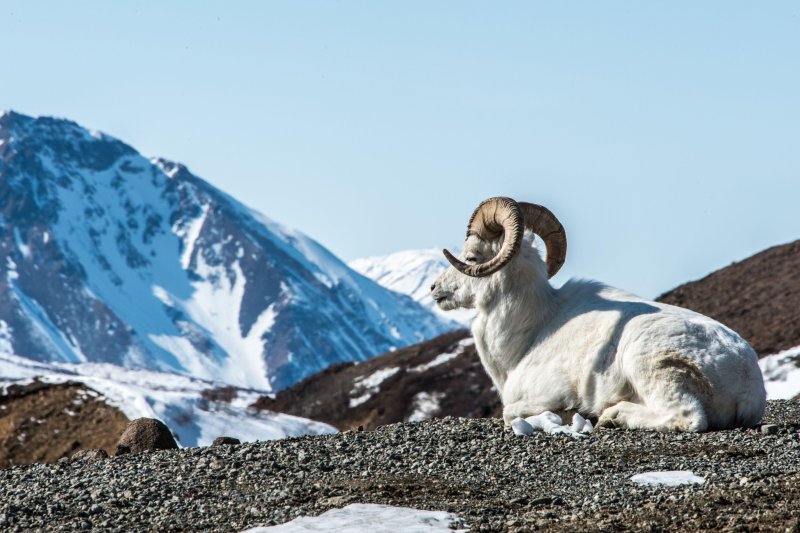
433 286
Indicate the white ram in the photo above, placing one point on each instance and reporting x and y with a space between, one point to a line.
587 347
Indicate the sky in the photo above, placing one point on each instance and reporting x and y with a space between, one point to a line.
665 136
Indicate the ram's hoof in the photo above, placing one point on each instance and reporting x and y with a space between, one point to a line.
608 423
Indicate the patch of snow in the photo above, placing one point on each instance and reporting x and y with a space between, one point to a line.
670 478
551 423
325 280
365 387
425 406
163 296
44 329
189 233
782 374
444 357
358 400
375 379
216 307
5 338
24 249
368 518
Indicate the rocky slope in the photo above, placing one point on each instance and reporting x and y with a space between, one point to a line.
492 480
109 257
41 422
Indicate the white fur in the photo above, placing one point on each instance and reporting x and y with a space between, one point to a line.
600 351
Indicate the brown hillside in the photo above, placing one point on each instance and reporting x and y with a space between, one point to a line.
759 298
414 384
42 422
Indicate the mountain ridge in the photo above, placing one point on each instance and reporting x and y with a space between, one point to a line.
412 272
107 256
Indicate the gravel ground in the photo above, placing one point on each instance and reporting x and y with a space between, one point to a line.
472 467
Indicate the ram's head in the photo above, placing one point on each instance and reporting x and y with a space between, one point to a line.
494 238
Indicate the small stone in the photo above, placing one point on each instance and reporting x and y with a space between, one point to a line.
521 427
90 455
336 501
225 441
145 435
769 429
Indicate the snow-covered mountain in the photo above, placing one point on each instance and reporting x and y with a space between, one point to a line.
412 272
109 257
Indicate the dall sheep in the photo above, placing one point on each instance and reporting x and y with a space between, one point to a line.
586 347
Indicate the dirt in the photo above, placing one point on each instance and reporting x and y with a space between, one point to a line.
41 423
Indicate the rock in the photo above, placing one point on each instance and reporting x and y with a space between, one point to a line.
521 427
769 429
90 455
223 441
145 435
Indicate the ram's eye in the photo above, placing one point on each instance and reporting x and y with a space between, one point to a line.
472 259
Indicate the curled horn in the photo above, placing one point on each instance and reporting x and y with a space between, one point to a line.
493 218
544 223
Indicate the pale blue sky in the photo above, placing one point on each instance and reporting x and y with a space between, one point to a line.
666 136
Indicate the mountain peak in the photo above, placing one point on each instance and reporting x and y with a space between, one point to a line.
106 256
412 272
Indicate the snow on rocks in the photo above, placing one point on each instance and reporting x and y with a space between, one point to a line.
181 402
670 478
366 386
367 518
551 423
782 374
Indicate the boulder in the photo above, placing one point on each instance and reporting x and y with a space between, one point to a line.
145 435
224 441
